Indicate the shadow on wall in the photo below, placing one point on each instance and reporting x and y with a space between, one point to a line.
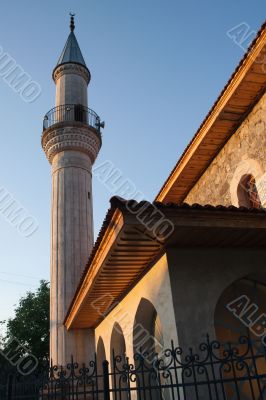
118 361
101 357
240 311
147 341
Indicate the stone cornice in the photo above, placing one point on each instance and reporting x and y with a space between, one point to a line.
82 138
71 68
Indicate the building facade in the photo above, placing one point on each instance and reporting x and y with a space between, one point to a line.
172 269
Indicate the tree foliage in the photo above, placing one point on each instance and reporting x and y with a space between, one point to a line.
30 324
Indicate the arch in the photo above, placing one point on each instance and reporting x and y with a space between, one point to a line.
118 344
101 355
245 167
147 330
247 192
239 306
118 359
100 358
147 340
228 327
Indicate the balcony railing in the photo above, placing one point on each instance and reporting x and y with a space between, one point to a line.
72 113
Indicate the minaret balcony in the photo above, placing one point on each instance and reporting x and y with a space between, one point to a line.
76 113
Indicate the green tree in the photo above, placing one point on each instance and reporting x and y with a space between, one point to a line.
3 361
31 322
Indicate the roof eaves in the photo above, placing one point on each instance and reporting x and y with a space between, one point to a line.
241 63
119 204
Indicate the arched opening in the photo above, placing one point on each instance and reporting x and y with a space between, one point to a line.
247 192
147 331
147 342
100 357
118 344
241 312
118 360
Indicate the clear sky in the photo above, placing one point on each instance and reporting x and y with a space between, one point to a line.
157 67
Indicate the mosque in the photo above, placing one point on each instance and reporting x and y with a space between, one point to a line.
177 268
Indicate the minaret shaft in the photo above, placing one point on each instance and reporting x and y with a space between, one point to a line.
71 89
71 140
71 243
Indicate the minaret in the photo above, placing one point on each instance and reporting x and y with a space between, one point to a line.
71 140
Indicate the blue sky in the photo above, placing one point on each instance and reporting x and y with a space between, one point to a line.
157 67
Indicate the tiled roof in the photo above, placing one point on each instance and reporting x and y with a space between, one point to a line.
121 204
117 203
242 61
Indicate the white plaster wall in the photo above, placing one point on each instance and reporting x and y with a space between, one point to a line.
199 277
155 287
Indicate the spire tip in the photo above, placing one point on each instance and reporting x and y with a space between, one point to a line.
72 22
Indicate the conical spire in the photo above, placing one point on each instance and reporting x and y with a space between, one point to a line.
71 52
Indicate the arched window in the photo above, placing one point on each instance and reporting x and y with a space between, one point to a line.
247 192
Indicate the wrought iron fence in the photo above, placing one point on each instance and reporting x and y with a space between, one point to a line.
216 371
72 113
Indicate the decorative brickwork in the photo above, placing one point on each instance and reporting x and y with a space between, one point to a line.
71 69
82 139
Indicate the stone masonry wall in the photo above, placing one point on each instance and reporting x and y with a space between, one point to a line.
244 153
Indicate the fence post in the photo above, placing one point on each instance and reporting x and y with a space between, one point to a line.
106 388
9 387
